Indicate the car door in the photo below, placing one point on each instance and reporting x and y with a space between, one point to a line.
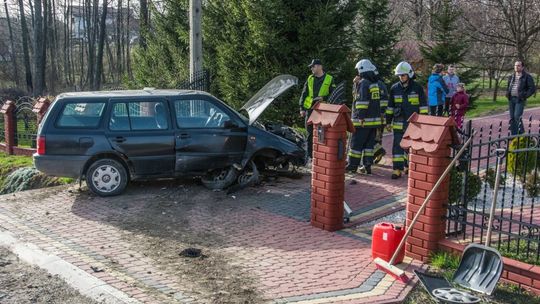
141 129
209 136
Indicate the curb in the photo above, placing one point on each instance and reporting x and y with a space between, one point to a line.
77 278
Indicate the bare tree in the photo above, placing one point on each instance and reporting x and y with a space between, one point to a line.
26 52
96 85
40 9
12 43
511 23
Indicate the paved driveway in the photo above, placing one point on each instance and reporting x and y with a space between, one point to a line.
257 245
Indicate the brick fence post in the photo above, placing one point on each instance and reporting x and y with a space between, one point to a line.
330 126
40 108
8 110
428 139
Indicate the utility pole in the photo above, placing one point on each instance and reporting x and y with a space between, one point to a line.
195 38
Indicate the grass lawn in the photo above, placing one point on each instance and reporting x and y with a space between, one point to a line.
485 106
446 264
9 163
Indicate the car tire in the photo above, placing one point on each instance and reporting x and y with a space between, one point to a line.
220 179
106 177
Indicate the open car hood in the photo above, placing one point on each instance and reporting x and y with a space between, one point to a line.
260 101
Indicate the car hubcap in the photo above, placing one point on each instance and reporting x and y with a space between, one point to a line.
106 178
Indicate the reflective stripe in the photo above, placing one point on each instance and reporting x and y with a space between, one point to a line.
368 152
384 102
355 154
389 110
424 110
398 158
361 104
414 101
398 99
397 125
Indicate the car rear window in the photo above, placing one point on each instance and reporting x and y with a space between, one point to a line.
81 115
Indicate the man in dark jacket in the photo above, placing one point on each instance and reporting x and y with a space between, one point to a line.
366 116
318 87
520 87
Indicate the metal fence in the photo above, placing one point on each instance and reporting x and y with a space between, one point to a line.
200 81
516 226
26 123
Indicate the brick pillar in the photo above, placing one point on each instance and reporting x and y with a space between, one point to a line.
8 110
330 126
40 108
428 139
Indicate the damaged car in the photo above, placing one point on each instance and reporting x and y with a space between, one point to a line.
110 138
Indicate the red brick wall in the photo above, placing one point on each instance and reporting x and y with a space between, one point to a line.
328 178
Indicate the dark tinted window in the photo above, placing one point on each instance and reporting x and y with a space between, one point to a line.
145 115
81 115
199 114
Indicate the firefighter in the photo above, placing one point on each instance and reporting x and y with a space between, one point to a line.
405 98
318 87
366 116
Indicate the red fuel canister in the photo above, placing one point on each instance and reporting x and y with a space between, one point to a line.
385 240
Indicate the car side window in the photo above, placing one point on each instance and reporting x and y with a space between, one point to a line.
197 113
81 115
137 116
119 118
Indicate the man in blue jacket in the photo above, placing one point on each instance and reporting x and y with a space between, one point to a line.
437 91
520 87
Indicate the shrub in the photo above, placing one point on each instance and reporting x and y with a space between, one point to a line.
474 185
521 163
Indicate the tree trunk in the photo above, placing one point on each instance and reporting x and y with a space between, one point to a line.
26 54
13 50
118 66
496 89
143 23
39 49
101 43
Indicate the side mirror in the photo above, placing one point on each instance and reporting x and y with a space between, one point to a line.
229 124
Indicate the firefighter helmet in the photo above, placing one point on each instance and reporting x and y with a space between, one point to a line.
365 65
404 68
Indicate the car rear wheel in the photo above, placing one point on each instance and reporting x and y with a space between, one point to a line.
220 179
106 177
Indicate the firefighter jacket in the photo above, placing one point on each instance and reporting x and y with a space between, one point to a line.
316 87
370 104
403 102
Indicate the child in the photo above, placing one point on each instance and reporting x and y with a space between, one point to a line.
460 103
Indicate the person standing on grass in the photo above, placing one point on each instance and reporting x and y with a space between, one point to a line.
437 91
459 105
451 80
520 87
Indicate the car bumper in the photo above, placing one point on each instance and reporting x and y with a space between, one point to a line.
61 166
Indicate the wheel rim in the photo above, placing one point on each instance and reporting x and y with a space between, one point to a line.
106 178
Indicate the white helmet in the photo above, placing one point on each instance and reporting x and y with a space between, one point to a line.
365 65
404 68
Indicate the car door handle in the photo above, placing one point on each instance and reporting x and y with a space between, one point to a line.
184 136
119 139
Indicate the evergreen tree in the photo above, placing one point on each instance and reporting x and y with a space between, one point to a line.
448 46
377 36
164 63
252 41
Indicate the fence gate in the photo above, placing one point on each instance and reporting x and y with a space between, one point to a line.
25 123
516 226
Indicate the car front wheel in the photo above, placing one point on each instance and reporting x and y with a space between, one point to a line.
106 177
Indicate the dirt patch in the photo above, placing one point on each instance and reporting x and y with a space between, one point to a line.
163 231
21 283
